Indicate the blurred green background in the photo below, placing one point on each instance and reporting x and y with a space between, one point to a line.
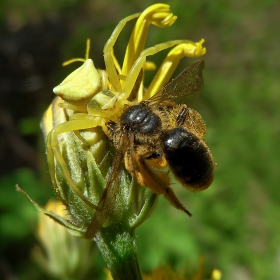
234 224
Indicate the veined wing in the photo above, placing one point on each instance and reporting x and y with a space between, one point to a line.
107 202
182 89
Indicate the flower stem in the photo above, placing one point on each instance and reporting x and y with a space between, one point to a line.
118 247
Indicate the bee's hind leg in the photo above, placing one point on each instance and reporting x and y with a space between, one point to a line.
151 168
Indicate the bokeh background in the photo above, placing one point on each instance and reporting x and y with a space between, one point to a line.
235 223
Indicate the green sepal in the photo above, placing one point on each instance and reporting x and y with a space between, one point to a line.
74 229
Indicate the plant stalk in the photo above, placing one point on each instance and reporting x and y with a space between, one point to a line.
118 247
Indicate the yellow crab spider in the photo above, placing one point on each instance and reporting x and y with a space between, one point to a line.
99 96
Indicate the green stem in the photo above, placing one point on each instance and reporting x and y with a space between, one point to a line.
118 247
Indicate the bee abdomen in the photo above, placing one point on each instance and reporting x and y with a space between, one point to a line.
188 158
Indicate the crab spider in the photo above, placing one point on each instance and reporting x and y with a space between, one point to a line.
101 97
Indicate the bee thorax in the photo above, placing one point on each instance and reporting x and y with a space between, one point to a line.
140 119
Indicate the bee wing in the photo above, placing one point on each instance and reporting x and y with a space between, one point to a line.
182 89
106 205
135 183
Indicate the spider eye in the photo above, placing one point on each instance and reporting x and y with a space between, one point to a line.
103 101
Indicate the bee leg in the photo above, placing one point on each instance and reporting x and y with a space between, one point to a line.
157 180
182 115
172 198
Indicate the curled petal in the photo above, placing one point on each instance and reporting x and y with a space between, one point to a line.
163 19
169 65
158 15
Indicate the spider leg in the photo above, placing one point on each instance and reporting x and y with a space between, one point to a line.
54 153
108 54
139 63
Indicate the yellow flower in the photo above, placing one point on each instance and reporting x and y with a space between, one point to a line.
167 273
64 255
216 274
92 97
99 203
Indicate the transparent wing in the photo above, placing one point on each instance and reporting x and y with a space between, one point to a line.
106 204
182 89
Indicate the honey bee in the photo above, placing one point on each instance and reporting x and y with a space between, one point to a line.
160 132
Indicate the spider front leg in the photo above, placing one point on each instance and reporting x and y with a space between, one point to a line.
139 63
108 55
54 154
